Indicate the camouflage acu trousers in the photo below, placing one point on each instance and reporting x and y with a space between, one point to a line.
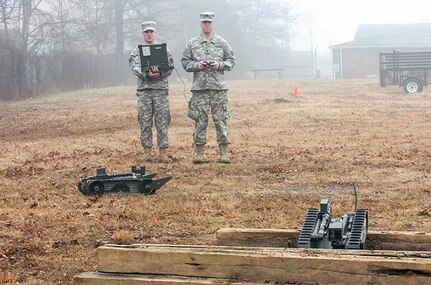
153 105
199 107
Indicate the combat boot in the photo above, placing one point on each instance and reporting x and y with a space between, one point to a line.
223 158
148 157
163 155
200 156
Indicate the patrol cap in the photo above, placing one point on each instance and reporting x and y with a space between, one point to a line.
149 25
207 16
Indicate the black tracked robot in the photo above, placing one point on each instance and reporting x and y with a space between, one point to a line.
321 231
135 181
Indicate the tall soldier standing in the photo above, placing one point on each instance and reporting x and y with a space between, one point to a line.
153 100
208 56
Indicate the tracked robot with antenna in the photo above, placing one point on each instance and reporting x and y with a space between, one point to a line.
320 230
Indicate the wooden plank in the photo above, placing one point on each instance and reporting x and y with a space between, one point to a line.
257 237
378 240
98 278
392 240
269 264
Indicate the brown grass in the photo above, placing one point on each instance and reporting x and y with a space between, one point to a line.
286 157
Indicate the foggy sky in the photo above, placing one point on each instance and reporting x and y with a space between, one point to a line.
335 21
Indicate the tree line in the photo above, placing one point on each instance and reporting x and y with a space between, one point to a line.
57 45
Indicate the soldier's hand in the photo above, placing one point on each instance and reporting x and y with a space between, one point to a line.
215 65
202 64
154 72
154 75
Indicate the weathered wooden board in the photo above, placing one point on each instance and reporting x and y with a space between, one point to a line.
387 240
257 237
269 264
97 278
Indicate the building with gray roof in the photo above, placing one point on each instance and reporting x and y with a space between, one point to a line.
360 58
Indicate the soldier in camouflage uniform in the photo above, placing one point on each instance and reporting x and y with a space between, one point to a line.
208 56
153 100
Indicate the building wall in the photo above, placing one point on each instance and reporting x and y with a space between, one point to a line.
360 63
336 64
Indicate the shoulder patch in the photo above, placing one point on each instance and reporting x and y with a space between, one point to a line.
134 52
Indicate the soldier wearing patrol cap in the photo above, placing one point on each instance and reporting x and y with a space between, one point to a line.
207 17
153 100
148 26
208 56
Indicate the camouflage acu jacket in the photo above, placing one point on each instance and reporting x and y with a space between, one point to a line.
217 49
144 81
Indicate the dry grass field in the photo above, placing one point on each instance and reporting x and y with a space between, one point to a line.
288 152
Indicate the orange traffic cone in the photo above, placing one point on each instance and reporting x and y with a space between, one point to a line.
296 91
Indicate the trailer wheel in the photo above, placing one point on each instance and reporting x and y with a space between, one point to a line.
412 85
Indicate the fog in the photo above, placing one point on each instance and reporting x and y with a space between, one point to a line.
335 21
58 45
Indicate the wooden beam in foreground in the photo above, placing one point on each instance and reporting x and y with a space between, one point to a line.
97 278
269 264
387 240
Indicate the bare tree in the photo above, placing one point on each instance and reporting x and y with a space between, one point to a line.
255 19
70 44
7 7
95 22
24 32
119 6
7 46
